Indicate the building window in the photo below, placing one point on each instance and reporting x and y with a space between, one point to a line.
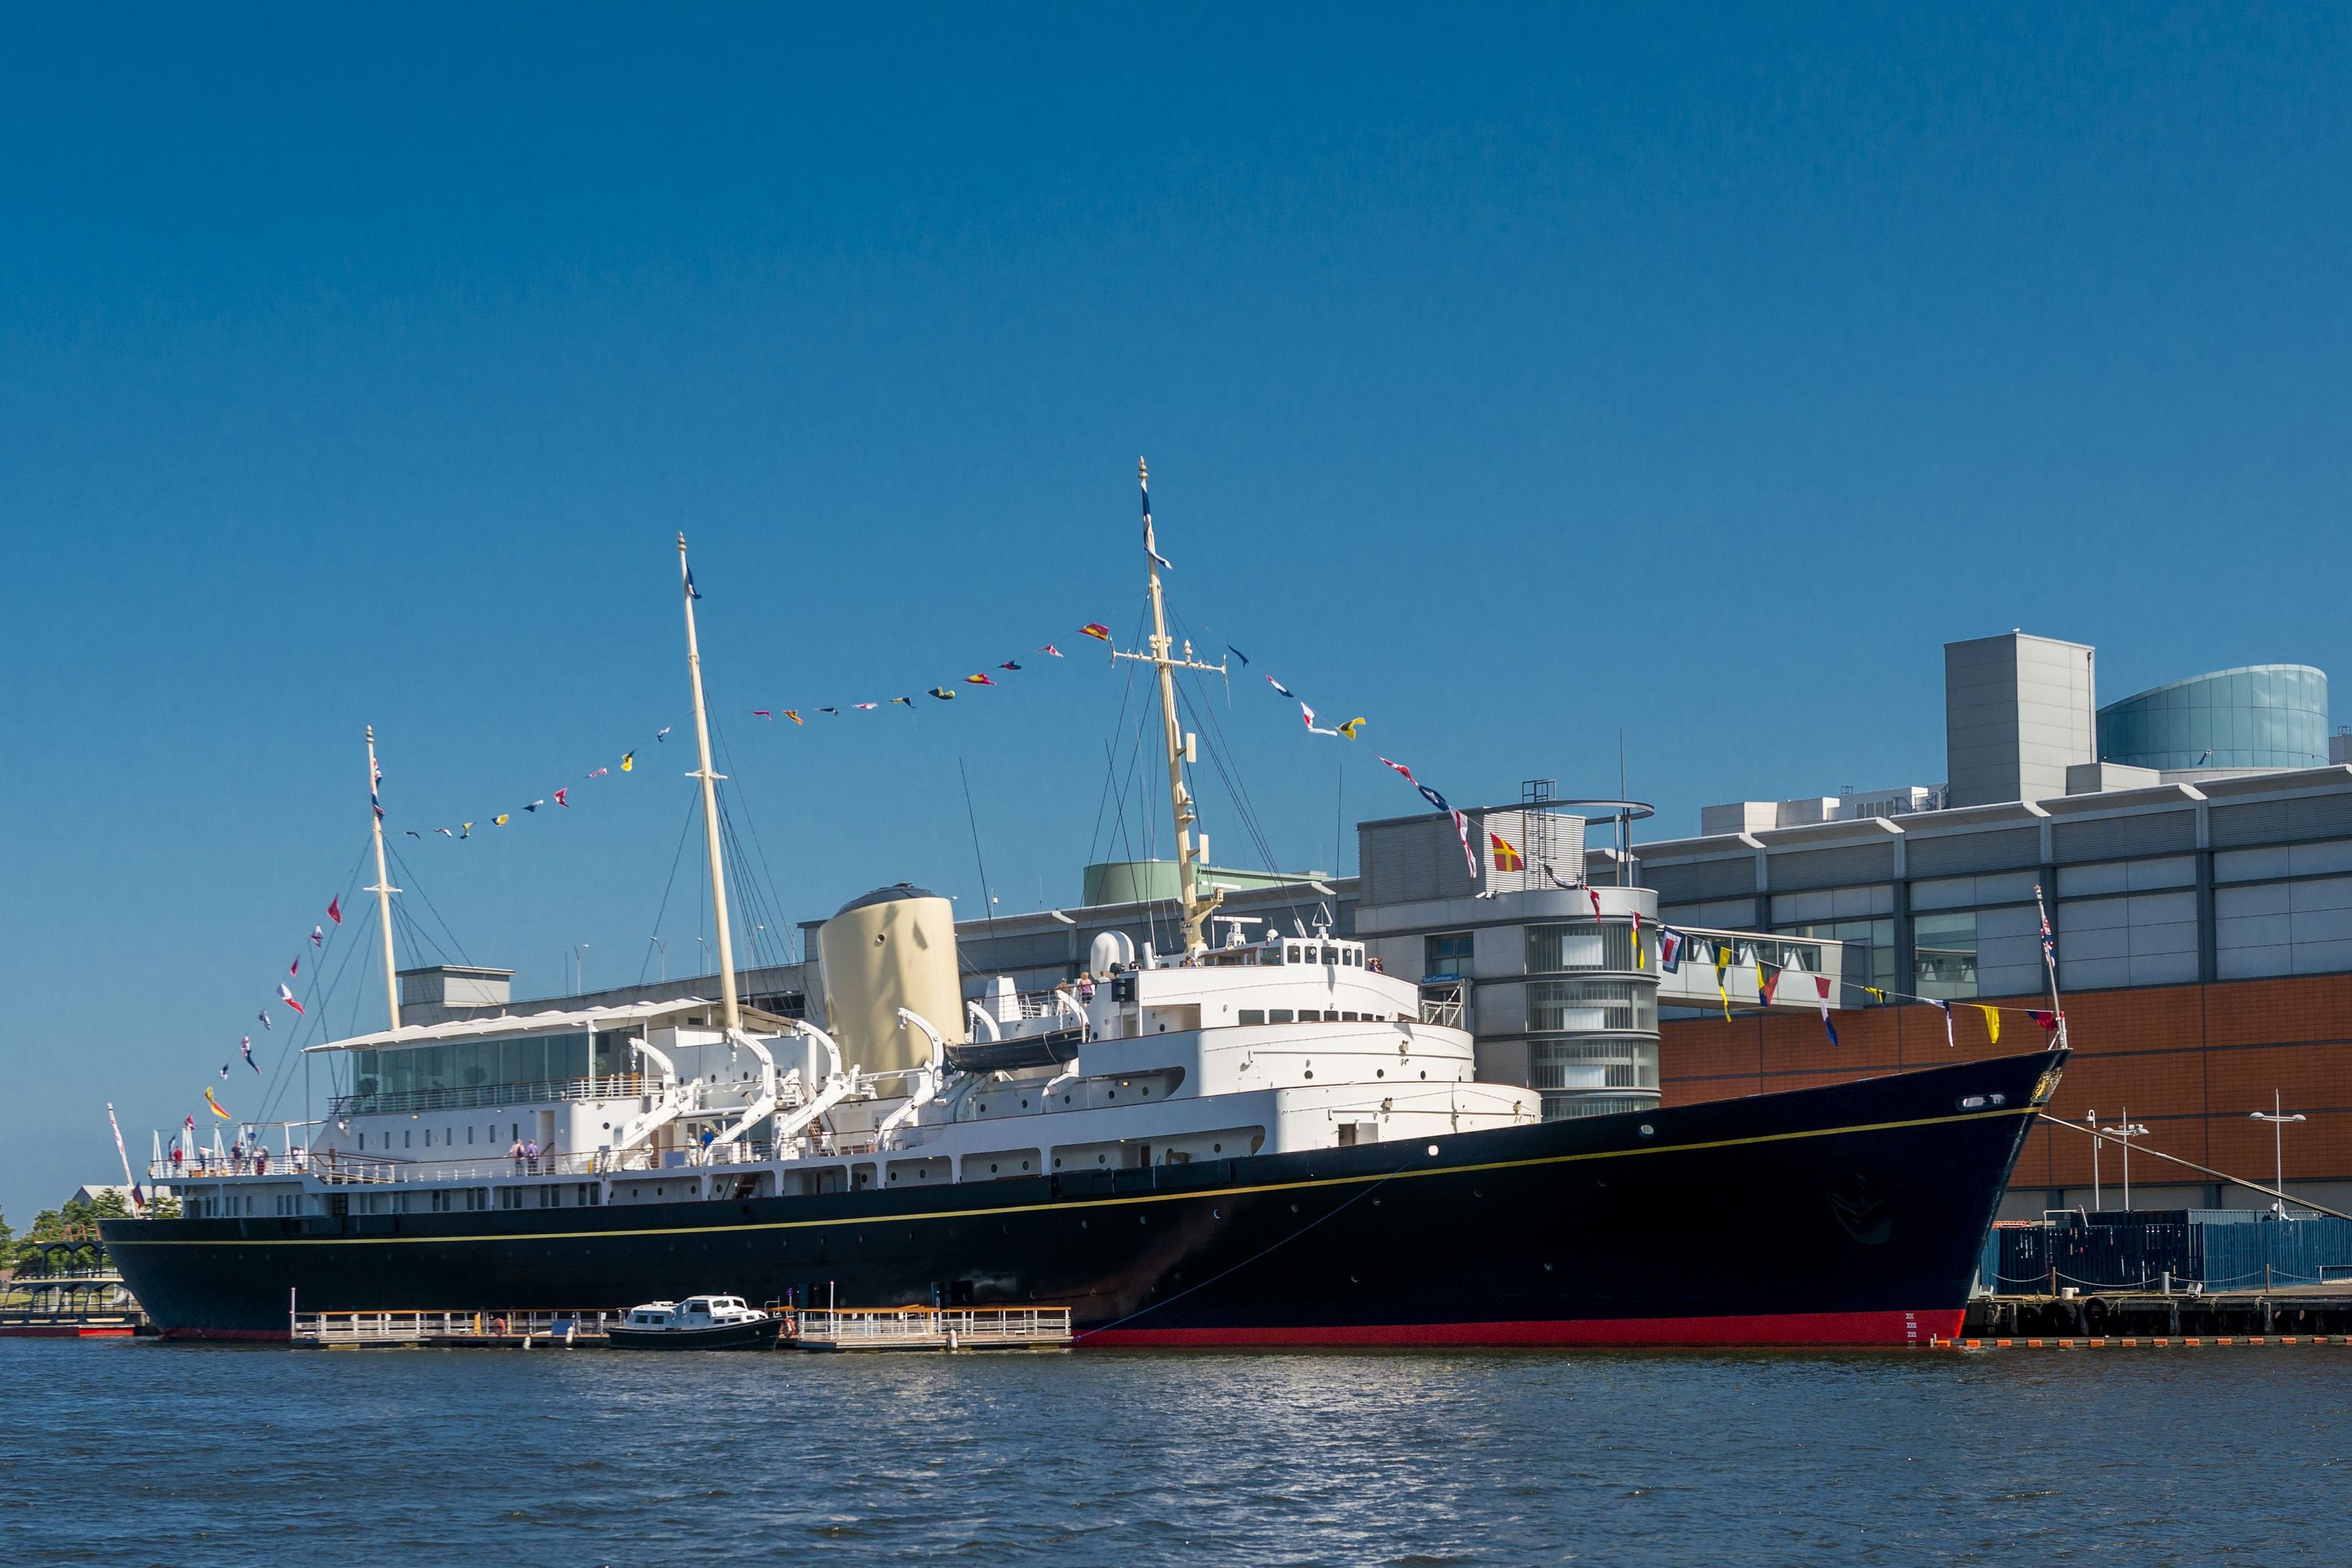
1944 954
1581 944
1869 950
1448 952
1590 1006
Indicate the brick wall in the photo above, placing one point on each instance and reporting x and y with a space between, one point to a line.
2190 1061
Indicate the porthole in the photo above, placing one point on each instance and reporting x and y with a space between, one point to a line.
1294 1208
1432 1150
1425 1075
1310 1072
1216 1148
1024 1105
1081 1224
1057 1161
1648 1131
1380 1072
991 1170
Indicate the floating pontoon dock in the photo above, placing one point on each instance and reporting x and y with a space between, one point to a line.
937 1329
441 1330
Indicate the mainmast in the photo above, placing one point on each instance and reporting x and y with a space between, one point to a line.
709 800
383 890
1182 747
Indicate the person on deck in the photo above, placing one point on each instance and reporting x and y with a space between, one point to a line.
515 1154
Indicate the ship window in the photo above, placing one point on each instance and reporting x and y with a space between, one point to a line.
404 1136
363 1139
1253 1014
1330 954
469 1133
1278 1016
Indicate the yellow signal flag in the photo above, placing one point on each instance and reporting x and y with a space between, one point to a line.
628 761
500 819
1992 1022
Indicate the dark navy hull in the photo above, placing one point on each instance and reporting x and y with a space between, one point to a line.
1850 1215
760 1336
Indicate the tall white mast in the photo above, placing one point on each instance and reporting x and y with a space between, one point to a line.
383 890
709 800
1181 746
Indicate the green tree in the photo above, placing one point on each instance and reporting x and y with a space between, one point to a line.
163 1206
110 1204
6 1234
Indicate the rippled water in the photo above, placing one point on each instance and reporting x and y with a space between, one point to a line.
121 1453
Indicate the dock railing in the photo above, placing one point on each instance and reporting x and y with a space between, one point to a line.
419 1328
949 1327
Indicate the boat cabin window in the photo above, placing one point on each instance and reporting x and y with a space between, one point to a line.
1253 1015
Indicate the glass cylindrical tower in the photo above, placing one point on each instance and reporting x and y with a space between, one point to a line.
2262 716
1592 1011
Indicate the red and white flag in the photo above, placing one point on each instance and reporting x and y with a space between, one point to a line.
295 968
287 997
561 800
318 936
335 908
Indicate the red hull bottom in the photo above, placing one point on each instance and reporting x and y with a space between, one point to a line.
1767 1330
66 1332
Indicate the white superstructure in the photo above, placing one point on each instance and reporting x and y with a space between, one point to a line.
1288 1044
1295 1042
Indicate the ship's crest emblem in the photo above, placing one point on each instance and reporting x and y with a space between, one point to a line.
1861 1208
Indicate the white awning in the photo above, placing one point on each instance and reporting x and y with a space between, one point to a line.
754 1021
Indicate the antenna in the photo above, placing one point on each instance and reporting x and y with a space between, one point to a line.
383 887
1196 909
709 800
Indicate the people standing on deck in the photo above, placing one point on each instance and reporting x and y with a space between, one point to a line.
515 1154
530 1155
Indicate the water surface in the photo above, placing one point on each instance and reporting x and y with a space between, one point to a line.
134 1453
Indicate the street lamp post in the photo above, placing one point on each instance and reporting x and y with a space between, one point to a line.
2126 1129
2278 1118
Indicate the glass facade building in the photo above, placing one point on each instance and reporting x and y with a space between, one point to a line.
2263 716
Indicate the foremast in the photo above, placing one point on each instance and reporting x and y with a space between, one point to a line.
383 887
709 801
1180 747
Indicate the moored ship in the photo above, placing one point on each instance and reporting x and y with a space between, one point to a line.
1243 1142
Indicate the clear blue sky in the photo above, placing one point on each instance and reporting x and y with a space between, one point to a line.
1510 381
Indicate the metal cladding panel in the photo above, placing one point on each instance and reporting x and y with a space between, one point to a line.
1414 860
2282 821
1692 880
1841 868
1961 853
2122 837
